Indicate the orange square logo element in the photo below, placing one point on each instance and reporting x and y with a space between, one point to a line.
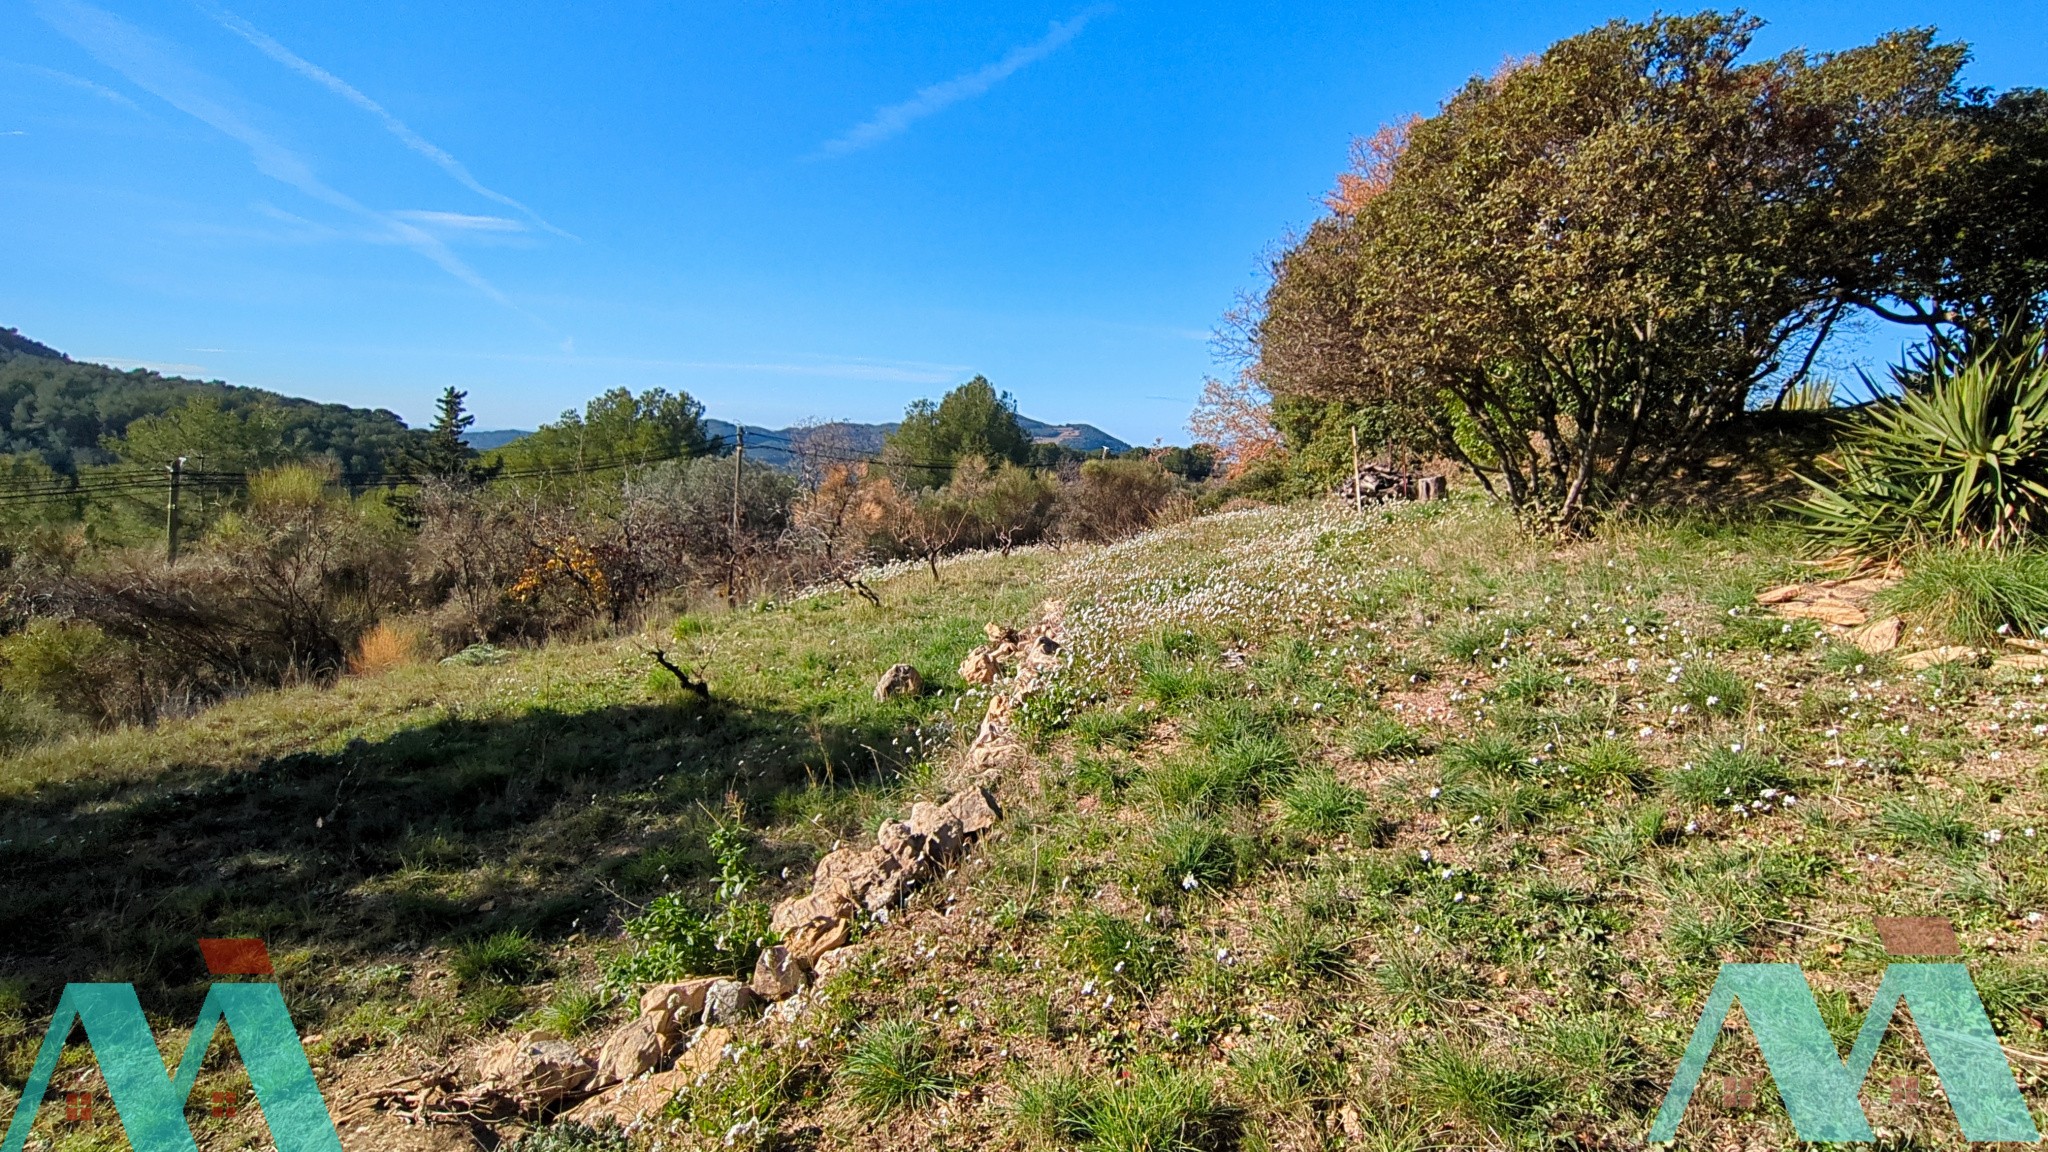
1917 936
244 956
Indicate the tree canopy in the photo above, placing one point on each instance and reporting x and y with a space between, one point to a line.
973 420
1585 263
615 429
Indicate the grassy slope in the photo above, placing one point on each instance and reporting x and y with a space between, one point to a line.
1415 836
1403 833
369 830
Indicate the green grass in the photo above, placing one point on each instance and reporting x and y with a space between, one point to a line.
501 958
1968 594
1381 735
1725 775
1155 1109
1344 968
1318 803
893 1066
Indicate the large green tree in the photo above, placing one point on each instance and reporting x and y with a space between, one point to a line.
1587 262
971 421
615 430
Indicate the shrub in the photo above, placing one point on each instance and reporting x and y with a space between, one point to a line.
894 1065
69 665
1968 593
679 938
1960 457
1115 498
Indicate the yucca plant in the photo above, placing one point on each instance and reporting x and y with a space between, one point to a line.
1960 457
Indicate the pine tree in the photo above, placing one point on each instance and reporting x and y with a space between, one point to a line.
446 454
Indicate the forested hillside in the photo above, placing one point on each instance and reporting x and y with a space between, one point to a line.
63 410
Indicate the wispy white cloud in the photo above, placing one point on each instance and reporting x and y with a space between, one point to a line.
894 119
78 82
459 221
154 67
342 88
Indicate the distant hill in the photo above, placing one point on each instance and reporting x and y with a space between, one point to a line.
494 438
772 444
63 409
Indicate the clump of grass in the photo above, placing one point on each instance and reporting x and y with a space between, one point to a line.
1713 689
1229 774
1488 754
1528 682
1301 949
1100 776
489 1005
1420 986
1175 668
1725 774
1622 841
1501 1098
1110 727
1318 803
1967 594
504 958
1219 724
386 646
1117 951
1157 1108
1193 853
1849 660
1381 735
1495 803
1606 762
894 1065
1928 824
571 1136
1706 935
573 1011
1472 641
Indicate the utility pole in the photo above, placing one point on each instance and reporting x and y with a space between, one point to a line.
732 566
177 471
1357 497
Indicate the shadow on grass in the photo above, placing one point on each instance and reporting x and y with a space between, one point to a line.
549 822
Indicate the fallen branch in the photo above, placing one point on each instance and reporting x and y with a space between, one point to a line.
861 586
690 683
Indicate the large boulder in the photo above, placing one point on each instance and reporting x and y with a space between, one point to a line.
729 1002
676 1006
637 1047
778 975
814 924
533 1073
899 680
981 666
974 808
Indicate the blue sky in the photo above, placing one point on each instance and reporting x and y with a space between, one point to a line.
786 210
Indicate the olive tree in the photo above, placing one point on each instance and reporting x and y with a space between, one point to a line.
1584 264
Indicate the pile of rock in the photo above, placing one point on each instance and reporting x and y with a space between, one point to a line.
628 1074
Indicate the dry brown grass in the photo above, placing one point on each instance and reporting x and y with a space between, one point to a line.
387 646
